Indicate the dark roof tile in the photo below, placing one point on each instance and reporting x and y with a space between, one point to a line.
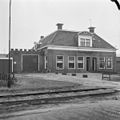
70 38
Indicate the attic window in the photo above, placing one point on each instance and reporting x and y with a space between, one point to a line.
84 42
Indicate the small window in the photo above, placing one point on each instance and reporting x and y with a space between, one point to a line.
80 62
82 42
71 62
59 62
87 42
109 63
102 62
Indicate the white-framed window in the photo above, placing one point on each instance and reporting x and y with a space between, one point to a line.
59 62
46 61
84 42
109 62
80 62
102 62
87 42
71 62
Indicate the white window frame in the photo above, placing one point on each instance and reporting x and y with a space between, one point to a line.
86 42
45 59
71 62
59 62
80 62
104 63
107 63
85 38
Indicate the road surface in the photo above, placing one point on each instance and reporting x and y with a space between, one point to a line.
102 110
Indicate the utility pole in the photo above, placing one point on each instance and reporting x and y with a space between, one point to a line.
9 66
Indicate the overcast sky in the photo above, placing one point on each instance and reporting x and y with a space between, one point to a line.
34 18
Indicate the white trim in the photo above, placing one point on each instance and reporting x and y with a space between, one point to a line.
22 60
43 47
69 48
45 64
61 62
38 62
84 37
5 58
79 62
69 62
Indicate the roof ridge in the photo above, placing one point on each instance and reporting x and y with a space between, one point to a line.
51 40
64 30
48 35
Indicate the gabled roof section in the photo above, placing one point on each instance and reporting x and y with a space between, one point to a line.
98 42
70 38
48 39
85 33
65 38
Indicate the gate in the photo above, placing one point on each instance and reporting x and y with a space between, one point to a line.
30 63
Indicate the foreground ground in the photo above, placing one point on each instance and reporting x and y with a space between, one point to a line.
48 80
101 108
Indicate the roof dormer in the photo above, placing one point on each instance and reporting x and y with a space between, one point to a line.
84 39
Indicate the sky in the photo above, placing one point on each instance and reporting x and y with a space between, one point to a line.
34 18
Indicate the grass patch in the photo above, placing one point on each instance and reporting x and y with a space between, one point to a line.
33 83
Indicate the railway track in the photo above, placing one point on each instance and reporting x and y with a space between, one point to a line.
48 95
23 101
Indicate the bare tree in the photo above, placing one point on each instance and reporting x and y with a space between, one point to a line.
117 3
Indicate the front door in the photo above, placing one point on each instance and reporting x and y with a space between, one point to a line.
88 63
94 64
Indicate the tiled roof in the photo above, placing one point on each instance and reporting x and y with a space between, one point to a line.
70 38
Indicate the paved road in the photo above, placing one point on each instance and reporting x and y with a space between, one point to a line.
102 110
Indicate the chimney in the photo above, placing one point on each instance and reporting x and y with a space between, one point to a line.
59 26
91 29
41 37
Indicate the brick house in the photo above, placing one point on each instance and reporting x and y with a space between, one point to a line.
75 51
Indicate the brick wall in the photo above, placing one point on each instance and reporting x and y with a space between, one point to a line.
52 60
18 58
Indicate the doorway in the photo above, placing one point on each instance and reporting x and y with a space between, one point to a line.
88 63
94 64
30 63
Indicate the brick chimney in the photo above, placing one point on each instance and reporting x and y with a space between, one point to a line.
59 26
91 29
41 37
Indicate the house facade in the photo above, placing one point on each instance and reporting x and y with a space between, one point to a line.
75 51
